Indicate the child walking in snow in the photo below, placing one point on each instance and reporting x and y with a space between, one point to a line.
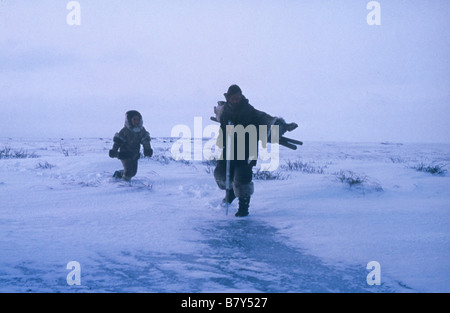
127 144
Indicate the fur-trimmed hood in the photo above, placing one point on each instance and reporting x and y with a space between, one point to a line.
128 124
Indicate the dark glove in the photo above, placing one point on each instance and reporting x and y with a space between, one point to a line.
284 127
113 153
148 152
291 126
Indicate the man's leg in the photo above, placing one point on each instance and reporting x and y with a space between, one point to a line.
243 187
220 177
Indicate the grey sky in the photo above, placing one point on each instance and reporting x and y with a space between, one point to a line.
317 63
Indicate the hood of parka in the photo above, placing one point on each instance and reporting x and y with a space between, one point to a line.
129 124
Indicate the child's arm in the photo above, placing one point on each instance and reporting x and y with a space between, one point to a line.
118 140
145 141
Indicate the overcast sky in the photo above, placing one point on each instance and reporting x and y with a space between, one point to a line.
317 63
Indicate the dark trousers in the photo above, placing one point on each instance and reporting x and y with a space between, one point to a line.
130 167
241 176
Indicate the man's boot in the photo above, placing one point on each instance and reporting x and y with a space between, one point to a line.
244 203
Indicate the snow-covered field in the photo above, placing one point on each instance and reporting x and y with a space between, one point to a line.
313 229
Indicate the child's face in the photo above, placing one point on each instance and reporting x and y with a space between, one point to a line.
135 120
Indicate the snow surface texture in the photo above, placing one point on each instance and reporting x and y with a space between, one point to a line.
314 224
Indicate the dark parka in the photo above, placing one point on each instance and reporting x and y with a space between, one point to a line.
129 139
243 114
127 144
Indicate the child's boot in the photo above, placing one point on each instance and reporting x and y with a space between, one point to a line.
118 174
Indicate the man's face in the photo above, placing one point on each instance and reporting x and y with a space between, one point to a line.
235 99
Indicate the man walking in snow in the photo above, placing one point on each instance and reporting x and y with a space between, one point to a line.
238 111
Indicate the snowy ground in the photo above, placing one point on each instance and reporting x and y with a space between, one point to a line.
165 232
